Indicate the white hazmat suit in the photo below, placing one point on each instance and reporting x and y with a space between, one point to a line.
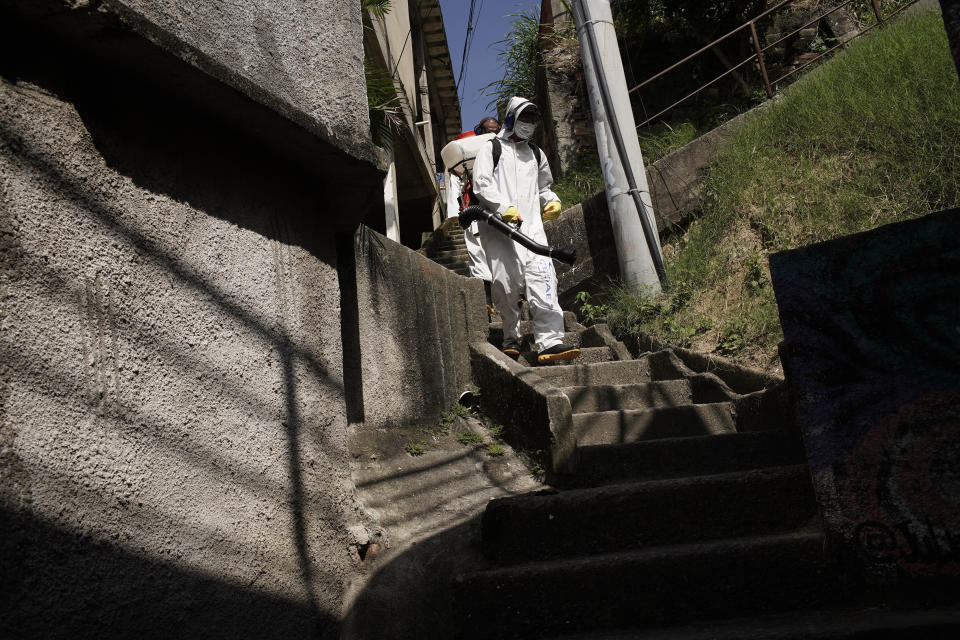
519 181
476 257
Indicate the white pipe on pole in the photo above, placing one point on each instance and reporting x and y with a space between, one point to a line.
390 201
638 244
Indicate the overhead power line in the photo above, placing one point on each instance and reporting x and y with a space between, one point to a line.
467 41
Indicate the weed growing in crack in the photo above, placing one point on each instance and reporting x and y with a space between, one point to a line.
469 438
538 464
495 449
415 448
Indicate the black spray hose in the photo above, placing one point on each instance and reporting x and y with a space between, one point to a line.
621 147
477 213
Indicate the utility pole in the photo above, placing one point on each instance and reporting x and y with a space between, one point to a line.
624 176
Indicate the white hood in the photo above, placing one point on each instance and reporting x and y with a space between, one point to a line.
514 107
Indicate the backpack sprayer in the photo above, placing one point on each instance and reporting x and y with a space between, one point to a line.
459 155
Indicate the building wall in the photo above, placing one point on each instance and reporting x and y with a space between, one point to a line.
173 456
410 42
285 53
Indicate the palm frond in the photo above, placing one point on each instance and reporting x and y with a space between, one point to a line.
383 104
378 8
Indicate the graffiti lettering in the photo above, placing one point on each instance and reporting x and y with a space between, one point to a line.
908 542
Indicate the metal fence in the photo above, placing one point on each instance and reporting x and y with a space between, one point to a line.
759 51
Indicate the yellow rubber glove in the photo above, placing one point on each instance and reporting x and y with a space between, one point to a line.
552 210
511 215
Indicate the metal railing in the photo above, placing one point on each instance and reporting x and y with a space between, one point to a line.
757 57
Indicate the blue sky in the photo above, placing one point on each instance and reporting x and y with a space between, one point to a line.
491 23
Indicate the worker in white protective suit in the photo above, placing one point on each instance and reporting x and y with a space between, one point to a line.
512 179
476 257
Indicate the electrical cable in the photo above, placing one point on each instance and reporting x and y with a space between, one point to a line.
467 40
402 49
585 21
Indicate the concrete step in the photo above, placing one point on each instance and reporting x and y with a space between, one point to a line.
642 514
459 268
690 456
526 325
662 365
697 389
633 425
647 587
570 338
588 355
454 245
838 623
455 254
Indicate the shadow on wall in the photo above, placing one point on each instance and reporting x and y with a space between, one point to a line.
72 581
412 595
174 144
105 592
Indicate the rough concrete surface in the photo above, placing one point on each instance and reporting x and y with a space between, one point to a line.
530 407
676 180
429 506
300 56
300 60
586 228
173 438
416 320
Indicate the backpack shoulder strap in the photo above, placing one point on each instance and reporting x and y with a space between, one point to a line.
536 152
497 150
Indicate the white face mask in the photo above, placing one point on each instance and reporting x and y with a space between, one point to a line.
524 130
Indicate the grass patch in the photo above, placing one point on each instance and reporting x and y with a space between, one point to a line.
663 138
495 449
469 438
415 448
448 417
582 181
870 138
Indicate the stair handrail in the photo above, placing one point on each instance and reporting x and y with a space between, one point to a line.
757 55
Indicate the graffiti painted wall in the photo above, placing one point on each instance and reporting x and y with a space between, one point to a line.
871 328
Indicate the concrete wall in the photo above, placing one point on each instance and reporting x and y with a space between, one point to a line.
871 347
173 456
415 322
287 54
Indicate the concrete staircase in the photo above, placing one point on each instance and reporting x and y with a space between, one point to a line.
447 247
678 496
